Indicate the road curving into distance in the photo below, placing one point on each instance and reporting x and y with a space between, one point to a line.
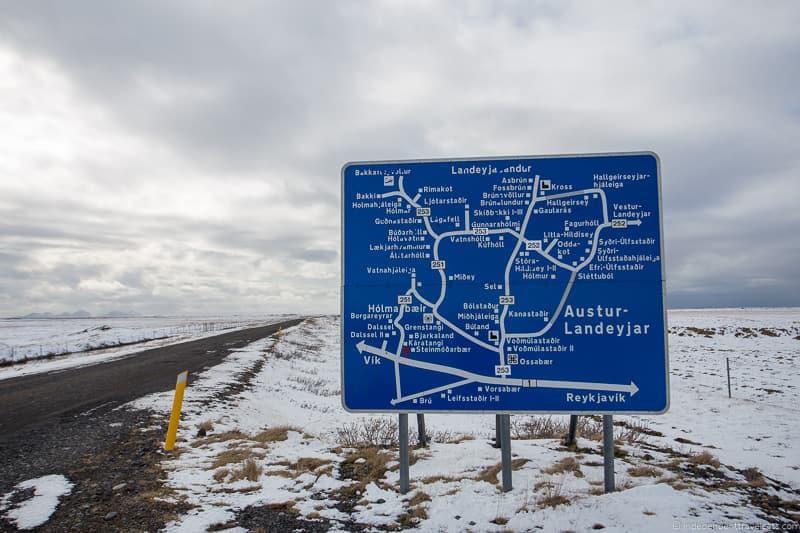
32 400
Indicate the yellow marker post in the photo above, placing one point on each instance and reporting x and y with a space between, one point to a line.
172 432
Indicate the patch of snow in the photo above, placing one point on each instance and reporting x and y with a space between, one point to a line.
37 509
294 381
81 342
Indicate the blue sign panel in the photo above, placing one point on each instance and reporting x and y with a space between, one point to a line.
507 285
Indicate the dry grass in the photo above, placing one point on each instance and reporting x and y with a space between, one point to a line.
222 526
705 332
220 475
369 433
238 490
276 434
633 431
309 464
549 427
364 466
704 458
381 432
676 483
500 520
418 498
206 425
369 464
551 494
235 455
302 466
489 474
754 477
446 479
250 470
644 471
221 437
416 512
588 427
413 517
567 464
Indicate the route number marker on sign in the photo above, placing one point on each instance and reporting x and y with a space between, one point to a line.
519 285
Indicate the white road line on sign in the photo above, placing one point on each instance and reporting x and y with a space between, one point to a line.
509 264
452 326
492 380
399 346
431 391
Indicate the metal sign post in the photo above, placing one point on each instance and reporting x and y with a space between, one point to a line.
573 429
421 435
608 452
505 451
404 460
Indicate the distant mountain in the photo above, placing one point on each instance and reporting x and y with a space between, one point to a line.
122 314
76 314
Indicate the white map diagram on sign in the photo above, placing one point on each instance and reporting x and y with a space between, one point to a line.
533 255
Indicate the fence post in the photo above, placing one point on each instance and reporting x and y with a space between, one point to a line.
728 368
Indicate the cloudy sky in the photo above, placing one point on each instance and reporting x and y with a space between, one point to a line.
184 157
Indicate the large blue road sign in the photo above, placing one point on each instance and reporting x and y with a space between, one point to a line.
504 285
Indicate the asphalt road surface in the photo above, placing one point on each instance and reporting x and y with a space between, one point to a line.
30 401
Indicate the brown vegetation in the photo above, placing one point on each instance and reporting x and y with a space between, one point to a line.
250 470
644 471
275 434
704 458
567 464
489 474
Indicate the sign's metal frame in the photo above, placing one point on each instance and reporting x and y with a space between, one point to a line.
508 412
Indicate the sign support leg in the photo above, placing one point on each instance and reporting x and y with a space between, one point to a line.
498 437
403 429
423 438
608 452
573 428
505 452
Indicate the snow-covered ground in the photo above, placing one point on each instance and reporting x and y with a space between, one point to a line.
32 343
37 508
277 436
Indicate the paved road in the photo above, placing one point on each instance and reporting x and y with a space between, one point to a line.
29 401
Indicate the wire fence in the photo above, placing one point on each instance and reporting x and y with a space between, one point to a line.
742 363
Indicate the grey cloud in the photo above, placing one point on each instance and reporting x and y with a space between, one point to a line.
234 92
245 113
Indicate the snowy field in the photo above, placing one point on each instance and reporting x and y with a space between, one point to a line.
277 440
80 341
